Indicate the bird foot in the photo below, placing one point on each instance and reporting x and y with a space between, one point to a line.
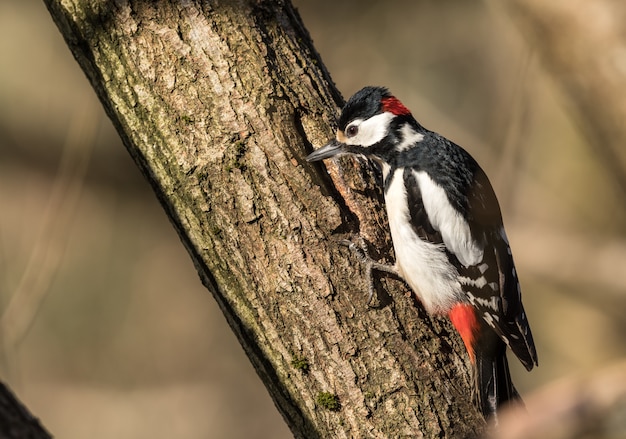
359 248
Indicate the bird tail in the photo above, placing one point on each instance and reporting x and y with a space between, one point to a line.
494 387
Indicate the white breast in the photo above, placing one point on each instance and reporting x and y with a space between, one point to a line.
423 265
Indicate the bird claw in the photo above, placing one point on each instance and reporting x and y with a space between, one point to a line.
359 249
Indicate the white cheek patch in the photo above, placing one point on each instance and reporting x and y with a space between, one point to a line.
371 131
455 231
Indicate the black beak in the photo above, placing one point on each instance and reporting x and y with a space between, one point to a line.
331 149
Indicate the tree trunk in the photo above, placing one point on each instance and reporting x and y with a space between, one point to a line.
16 422
218 103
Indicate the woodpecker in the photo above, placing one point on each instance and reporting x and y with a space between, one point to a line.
448 236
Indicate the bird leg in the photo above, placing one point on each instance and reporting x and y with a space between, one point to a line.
359 249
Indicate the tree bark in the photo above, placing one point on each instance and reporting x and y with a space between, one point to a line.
16 422
218 103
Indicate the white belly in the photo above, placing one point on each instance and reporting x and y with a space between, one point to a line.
423 265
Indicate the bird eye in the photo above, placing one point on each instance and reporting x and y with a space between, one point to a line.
352 130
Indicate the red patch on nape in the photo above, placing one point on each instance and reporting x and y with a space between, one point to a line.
463 317
394 106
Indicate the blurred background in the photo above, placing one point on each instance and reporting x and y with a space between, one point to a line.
107 331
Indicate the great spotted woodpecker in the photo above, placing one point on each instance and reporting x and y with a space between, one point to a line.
447 232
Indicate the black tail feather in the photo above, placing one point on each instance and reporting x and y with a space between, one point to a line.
494 387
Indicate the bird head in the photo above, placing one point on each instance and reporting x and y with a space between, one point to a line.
373 123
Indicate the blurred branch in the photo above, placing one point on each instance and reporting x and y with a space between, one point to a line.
55 225
512 152
585 407
583 45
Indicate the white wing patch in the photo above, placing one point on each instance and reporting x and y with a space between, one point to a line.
489 318
478 283
409 138
371 131
423 265
454 230
491 303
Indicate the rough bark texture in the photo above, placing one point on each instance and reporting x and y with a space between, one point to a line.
219 103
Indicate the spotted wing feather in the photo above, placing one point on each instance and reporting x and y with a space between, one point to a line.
492 285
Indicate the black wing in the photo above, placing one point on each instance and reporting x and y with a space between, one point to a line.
492 285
